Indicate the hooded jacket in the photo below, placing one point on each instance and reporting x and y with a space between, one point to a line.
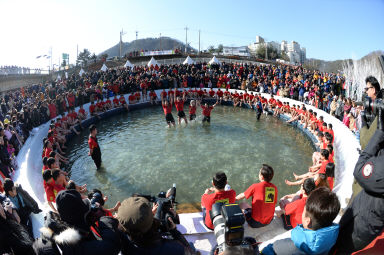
315 242
305 241
60 238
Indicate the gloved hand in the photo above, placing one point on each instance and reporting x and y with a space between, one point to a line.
380 120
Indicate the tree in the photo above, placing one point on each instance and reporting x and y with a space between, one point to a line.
211 49
219 48
260 52
284 56
64 63
94 57
272 52
104 57
83 57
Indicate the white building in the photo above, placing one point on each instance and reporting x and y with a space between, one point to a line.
292 49
236 51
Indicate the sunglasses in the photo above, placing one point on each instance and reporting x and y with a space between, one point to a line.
367 88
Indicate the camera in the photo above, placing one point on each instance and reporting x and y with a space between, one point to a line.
228 220
371 108
165 204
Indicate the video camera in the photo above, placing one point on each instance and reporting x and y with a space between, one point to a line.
371 108
165 204
228 220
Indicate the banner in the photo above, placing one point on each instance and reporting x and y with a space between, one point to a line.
157 52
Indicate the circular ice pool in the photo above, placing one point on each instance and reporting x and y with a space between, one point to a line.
141 155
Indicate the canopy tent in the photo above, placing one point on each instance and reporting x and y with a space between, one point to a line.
188 61
104 68
152 62
81 72
214 60
128 64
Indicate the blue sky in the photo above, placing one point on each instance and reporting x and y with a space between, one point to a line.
329 30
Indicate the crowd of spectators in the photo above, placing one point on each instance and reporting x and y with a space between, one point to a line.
6 70
29 107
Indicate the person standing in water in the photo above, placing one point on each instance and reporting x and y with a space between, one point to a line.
94 148
207 111
179 104
167 107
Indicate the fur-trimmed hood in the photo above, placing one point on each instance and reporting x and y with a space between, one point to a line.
59 231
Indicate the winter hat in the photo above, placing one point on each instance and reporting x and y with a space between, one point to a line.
73 209
135 214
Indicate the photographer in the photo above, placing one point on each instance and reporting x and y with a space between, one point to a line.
141 230
363 220
368 119
71 232
23 203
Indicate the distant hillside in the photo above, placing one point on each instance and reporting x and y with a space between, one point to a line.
337 65
167 43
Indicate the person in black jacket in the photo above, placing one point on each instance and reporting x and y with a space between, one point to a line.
69 232
23 203
14 238
363 220
141 231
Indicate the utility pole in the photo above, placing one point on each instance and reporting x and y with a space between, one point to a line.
160 42
199 41
186 39
77 53
266 51
121 41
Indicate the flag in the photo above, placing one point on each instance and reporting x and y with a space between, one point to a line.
38 56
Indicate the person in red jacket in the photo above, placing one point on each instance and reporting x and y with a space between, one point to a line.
264 198
216 194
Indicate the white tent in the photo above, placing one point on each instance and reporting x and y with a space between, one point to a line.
152 62
104 68
81 72
214 60
188 61
128 64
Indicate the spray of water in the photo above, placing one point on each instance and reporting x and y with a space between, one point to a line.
355 73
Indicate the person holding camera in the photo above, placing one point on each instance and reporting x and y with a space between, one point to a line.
363 219
71 231
141 230
23 203
216 194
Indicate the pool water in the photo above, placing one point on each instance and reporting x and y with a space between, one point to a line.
141 155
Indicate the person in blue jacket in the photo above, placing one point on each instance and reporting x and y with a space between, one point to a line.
318 233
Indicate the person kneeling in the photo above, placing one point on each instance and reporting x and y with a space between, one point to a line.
317 234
